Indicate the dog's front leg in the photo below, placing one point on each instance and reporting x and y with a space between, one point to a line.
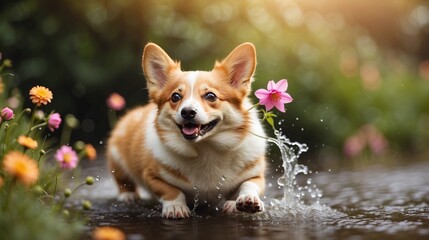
248 197
173 200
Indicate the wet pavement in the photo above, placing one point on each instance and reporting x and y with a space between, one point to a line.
376 203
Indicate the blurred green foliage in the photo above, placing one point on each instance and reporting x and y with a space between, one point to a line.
30 218
31 187
345 69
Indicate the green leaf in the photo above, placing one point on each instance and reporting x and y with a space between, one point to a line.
270 121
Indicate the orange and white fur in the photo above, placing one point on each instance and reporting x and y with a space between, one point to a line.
195 135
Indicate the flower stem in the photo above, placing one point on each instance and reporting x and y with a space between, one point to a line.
252 107
77 187
65 135
55 186
9 194
257 135
33 115
3 144
112 117
38 125
74 190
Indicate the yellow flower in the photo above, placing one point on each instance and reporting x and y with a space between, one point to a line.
27 142
90 152
108 233
21 167
40 95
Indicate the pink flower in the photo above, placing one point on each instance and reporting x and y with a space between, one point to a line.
115 102
54 121
354 145
376 140
66 157
7 114
274 96
367 136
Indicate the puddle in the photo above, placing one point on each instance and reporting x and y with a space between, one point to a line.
372 204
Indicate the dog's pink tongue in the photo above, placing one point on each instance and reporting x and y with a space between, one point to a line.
190 130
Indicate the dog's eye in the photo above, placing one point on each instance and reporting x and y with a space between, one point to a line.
175 97
210 97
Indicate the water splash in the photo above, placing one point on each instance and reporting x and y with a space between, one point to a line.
291 204
196 200
290 152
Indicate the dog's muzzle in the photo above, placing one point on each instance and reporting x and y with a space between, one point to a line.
191 130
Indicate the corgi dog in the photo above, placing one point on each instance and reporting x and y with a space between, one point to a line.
196 136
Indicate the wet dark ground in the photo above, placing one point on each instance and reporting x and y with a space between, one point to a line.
378 203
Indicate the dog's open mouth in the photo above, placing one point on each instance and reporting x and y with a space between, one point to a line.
191 131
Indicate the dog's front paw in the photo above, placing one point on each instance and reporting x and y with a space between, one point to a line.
249 203
229 207
128 197
175 211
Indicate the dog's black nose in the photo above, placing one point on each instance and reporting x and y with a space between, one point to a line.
188 113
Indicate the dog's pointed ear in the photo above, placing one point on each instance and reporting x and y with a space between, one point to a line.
157 66
239 66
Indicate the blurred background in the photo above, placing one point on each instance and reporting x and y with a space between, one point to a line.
358 69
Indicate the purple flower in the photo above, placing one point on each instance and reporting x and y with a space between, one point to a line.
66 157
274 96
54 121
7 114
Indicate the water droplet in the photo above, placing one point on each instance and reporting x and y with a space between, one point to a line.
217 209
309 181
194 187
223 178
281 181
300 169
297 118
97 178
270 185
113 170
101 142
321 120
302 129
217 187
219 196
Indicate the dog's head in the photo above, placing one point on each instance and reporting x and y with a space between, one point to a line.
197 105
